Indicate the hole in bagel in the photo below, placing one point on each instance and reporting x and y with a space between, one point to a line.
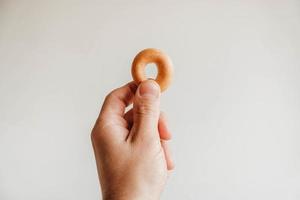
151 70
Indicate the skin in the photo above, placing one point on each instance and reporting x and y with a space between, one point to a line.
131 151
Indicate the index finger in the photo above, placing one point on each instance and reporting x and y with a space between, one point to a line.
117 100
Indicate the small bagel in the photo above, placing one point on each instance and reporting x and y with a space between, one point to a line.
163 64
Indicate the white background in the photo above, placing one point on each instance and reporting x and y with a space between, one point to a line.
233 108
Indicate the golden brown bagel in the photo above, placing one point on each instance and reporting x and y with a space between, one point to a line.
163 64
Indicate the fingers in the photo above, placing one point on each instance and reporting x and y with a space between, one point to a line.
111 115
170 163
116 101
163 129
146 112
129 118
164 132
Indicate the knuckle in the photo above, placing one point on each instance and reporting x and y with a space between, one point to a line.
146 108
110 95
96 134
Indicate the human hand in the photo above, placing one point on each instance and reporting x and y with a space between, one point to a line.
132 155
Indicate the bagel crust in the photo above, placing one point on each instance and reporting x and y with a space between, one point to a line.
162 62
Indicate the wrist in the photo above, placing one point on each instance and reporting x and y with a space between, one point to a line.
127 196
130 191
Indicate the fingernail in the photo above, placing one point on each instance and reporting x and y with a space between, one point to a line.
149 88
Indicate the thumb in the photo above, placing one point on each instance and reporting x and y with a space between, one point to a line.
146 111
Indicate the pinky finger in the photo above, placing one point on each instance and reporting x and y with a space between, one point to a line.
168 157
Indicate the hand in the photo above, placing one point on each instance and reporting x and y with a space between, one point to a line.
131 152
